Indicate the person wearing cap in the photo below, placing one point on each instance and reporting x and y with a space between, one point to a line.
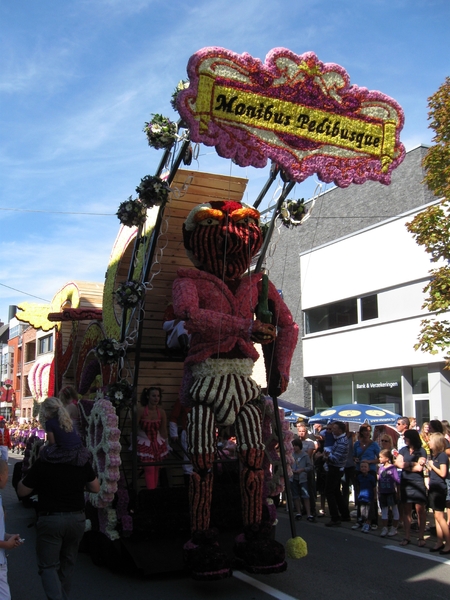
5 442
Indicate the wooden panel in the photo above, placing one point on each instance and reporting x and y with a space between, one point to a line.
171 255
91 294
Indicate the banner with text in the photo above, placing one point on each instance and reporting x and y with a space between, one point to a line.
299 112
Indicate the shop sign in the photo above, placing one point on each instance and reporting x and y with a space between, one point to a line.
379 385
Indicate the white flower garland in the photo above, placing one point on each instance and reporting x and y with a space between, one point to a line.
103 442
215 367
38 380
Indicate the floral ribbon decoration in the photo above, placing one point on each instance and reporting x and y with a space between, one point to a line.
301 113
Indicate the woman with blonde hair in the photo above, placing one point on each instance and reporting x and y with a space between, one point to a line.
386 441
425 436
438 469
63 442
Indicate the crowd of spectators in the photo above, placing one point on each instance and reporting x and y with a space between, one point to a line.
396 475
20 433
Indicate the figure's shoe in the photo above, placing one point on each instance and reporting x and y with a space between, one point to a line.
257 553
204 558
183 341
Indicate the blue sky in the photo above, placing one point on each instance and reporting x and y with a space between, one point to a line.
79 78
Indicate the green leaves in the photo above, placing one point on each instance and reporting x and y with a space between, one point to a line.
431 228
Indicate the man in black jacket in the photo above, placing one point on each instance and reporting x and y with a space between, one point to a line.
61 519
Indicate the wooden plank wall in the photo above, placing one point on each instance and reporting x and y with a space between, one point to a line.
190 188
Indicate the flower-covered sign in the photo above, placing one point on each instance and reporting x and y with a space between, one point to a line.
301 113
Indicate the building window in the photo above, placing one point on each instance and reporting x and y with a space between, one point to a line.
46 344
27 391
369 307
422 410
420 380
30 351
381 388
331 316
341 314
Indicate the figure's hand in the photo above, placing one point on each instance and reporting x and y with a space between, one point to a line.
284 381
263 333
12 540
399 461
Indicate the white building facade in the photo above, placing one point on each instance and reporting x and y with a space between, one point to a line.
362 320
353 277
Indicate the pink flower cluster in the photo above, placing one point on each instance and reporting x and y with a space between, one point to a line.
103 442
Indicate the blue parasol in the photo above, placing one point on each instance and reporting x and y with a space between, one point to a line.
294 412
356 413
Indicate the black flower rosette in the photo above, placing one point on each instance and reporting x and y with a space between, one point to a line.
182 85
120 394
153 191
292 212
129 293
161 132
132 213
108 351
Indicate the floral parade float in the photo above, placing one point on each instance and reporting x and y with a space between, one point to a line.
305 117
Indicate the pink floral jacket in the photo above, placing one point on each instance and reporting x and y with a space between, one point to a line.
220 320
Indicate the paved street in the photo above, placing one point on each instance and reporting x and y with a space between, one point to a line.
341 562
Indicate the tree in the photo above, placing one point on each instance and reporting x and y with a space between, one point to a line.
431 228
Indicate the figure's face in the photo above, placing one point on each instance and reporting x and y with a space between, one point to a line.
364 467
225 238
335 430
301 432
401 426
154 397
365 432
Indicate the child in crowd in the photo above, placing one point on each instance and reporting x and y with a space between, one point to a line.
367 484
388 481
8 541
69 399
299 482
64 443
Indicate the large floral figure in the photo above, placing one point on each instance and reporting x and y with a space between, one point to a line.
218 303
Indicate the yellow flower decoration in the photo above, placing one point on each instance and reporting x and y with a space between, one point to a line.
112 312
36 315
296 548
